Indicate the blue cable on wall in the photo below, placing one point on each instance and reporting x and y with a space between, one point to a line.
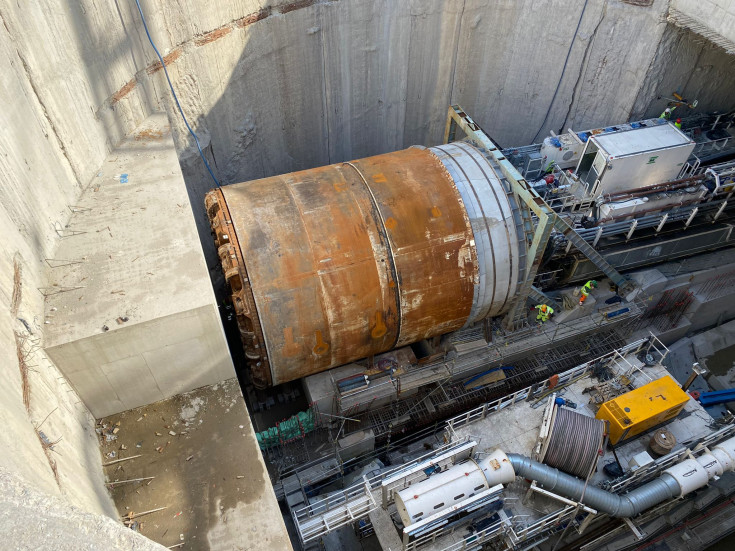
176 99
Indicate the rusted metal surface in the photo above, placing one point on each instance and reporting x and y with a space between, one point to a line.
430 239
338 263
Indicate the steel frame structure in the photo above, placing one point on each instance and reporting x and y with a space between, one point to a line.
546 218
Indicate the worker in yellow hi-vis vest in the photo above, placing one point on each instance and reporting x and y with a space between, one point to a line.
586 290
543 312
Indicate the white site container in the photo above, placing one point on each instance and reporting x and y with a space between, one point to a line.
635 158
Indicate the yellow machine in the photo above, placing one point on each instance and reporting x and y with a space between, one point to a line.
643 408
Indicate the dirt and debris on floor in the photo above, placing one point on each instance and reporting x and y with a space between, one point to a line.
184 472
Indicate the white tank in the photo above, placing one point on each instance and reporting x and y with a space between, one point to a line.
689 474
440 491
725 454
711 464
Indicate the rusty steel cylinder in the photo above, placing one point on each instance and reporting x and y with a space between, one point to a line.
338 263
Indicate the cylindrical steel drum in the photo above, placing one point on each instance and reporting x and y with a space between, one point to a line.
337 263
575 442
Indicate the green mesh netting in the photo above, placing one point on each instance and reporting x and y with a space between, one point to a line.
295 426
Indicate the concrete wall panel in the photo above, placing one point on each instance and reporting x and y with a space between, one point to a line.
143 363
691 66
58 123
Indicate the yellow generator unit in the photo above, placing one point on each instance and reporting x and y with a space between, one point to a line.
643 408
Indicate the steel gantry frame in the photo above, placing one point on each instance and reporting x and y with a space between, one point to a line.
546 219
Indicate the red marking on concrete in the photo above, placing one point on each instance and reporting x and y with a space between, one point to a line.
168 59
124 91
211 36
293 6
253 17
208 38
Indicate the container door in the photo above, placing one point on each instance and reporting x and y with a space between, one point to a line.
584 168
593 179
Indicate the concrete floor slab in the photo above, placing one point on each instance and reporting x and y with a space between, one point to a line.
209 473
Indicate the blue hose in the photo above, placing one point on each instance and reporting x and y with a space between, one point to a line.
176 99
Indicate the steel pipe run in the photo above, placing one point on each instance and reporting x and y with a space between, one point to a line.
679 480
663 488
443 490
334 264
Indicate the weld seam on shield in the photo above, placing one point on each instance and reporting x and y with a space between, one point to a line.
481 245
484 219
384 231
323 295
519 226
486 308
507 232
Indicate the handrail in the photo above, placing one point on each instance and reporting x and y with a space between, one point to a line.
480 412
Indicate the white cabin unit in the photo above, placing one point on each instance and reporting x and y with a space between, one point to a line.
564 150
636 158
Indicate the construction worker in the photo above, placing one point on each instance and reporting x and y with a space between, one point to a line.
586 290
667 113
543 312
678 123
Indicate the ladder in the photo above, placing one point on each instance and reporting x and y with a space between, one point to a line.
624 284
537 295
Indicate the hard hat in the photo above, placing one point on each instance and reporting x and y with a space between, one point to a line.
678 120
594 283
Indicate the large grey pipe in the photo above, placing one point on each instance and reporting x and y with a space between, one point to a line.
628 505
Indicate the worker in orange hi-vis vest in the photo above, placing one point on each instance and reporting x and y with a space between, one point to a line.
586 290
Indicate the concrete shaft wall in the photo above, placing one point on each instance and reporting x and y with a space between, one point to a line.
278 86
695 67
27 515
64 67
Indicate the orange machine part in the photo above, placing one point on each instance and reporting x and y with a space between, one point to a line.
337 263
